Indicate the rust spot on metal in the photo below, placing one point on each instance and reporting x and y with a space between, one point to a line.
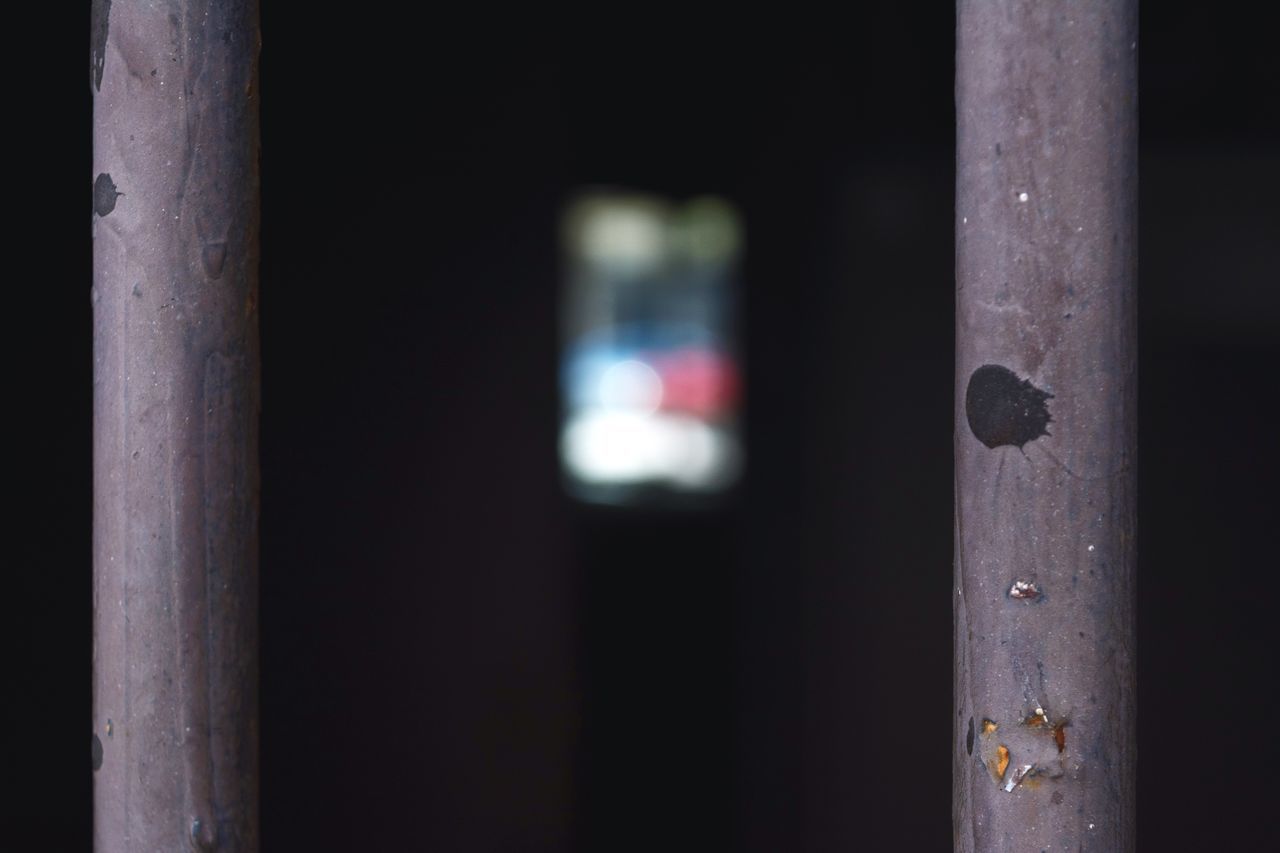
1024 590
989 726
1000 763
1060 736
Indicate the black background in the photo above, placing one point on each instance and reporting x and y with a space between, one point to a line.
457 657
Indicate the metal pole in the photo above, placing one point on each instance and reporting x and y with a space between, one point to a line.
1046 242
175 247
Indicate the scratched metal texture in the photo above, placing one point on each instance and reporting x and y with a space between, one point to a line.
1046 247
176 402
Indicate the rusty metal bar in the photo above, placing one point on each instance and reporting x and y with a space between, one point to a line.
176 399
1046 243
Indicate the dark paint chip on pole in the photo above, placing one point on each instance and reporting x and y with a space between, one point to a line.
176 401
1046 385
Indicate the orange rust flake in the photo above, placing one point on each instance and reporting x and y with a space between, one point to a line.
988 727
1060 736
1001 762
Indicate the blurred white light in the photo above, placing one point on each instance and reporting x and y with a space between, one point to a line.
628 235
649 377
632 386
604 446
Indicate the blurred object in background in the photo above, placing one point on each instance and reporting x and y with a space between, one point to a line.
649 372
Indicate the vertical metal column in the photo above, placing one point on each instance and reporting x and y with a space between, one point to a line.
1046 242
176 400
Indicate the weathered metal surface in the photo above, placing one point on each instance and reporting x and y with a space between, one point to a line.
1046 97
176 400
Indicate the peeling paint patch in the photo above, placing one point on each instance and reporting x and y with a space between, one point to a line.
1019 773
1039 741
99 25
1024 591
